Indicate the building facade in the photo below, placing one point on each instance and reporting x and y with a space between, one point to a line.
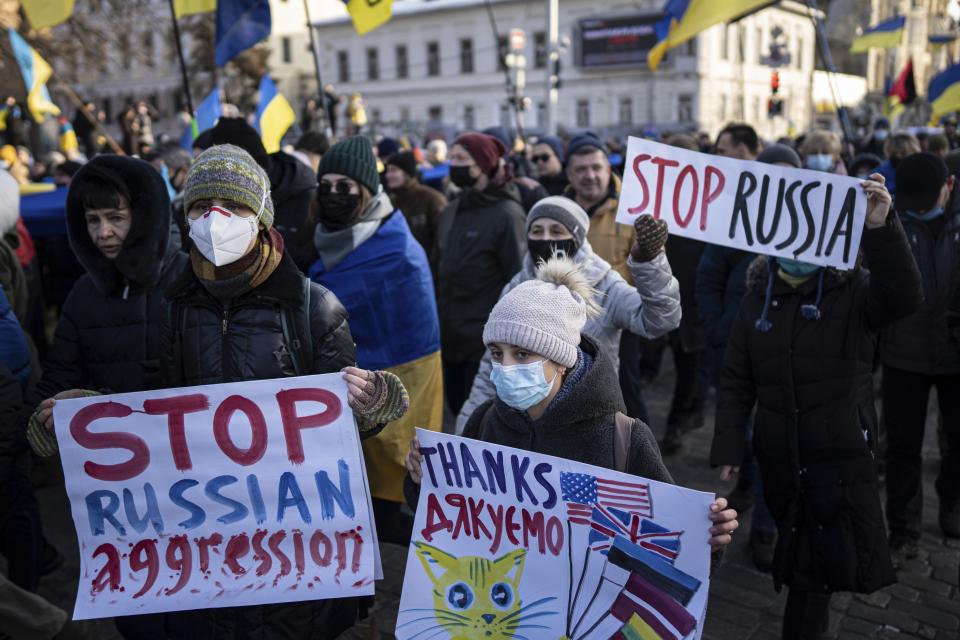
437 65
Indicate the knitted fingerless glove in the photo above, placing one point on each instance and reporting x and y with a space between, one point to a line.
385 402
651 238
42 440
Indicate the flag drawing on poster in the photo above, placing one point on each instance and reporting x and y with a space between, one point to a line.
514 545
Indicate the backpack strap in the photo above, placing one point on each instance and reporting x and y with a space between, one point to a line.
622 436
297 334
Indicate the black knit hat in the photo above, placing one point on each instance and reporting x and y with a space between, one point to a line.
405 161
352 157
920 177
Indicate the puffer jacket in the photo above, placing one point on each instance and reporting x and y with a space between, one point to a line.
928 341
292 187
208 342
650 308
815 431
480 243
610 239
108 336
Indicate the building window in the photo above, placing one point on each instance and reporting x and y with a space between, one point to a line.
758 43
403 67
469 118
466 55
148 51
435 113
343 66
798 59
685 108
285 47
404 115
724 41
756 108
723 108
375 116
542 114
125 50
373 64
505 116
690 47
540 53
433 58
583 112
626 110
502 48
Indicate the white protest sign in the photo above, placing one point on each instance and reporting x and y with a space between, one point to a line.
509 544
810 216
217 496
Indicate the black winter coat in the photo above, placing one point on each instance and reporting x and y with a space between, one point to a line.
815 429
684 256
206 342
15 486
292 187
481 243
928 341
108 336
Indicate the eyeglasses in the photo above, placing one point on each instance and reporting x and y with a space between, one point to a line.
342 187
545 157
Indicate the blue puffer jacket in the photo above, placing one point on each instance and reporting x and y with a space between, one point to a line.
14 353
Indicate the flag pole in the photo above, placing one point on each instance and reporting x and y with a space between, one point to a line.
321 102
183 66
827 58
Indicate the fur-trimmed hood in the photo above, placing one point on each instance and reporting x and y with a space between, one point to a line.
142 257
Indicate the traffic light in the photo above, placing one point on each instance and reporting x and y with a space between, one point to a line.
774 104
775 82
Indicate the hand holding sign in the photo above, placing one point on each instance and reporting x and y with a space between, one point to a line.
650 240
878 201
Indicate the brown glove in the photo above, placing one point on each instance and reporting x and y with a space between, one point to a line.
651 238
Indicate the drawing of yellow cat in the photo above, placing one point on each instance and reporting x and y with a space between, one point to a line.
475 598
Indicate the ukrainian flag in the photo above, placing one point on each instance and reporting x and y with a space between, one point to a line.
367 15
68 139
35 72
47 13
886 35
183 8
274 115
684 19
940 39
944 91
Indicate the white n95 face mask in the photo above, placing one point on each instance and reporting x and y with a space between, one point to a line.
221 236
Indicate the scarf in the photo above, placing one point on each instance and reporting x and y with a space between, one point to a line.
335 245
246 274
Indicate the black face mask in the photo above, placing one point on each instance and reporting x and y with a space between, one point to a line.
543 250
461 177
338 211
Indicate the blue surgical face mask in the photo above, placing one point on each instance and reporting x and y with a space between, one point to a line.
521 386
796 268
881 134
934 213
820 162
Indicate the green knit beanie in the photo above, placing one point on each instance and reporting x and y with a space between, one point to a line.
228 172
352 157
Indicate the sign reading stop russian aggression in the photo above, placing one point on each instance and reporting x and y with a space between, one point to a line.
214 496
804 215
513 545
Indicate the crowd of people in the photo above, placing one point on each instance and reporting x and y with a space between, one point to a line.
486 278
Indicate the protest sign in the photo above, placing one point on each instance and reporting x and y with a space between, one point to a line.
509 544
217 496
811 216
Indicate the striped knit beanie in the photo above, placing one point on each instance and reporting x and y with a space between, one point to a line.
228 172
352 157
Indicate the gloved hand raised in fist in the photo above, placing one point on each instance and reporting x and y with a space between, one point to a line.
651 238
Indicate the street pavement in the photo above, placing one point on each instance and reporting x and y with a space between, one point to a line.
925 603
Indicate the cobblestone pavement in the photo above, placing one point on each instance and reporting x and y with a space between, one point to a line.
924 604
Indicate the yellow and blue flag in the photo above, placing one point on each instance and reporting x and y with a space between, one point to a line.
944 91
274 115
47 13
240 25
683 19
886 35
35 72
940 39
367 15
68 138
182 8
208 112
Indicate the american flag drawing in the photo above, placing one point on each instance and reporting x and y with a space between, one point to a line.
581 491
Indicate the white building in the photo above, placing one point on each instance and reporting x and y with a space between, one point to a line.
436 63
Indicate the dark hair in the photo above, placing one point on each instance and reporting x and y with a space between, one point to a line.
314 142
99 189
742 134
